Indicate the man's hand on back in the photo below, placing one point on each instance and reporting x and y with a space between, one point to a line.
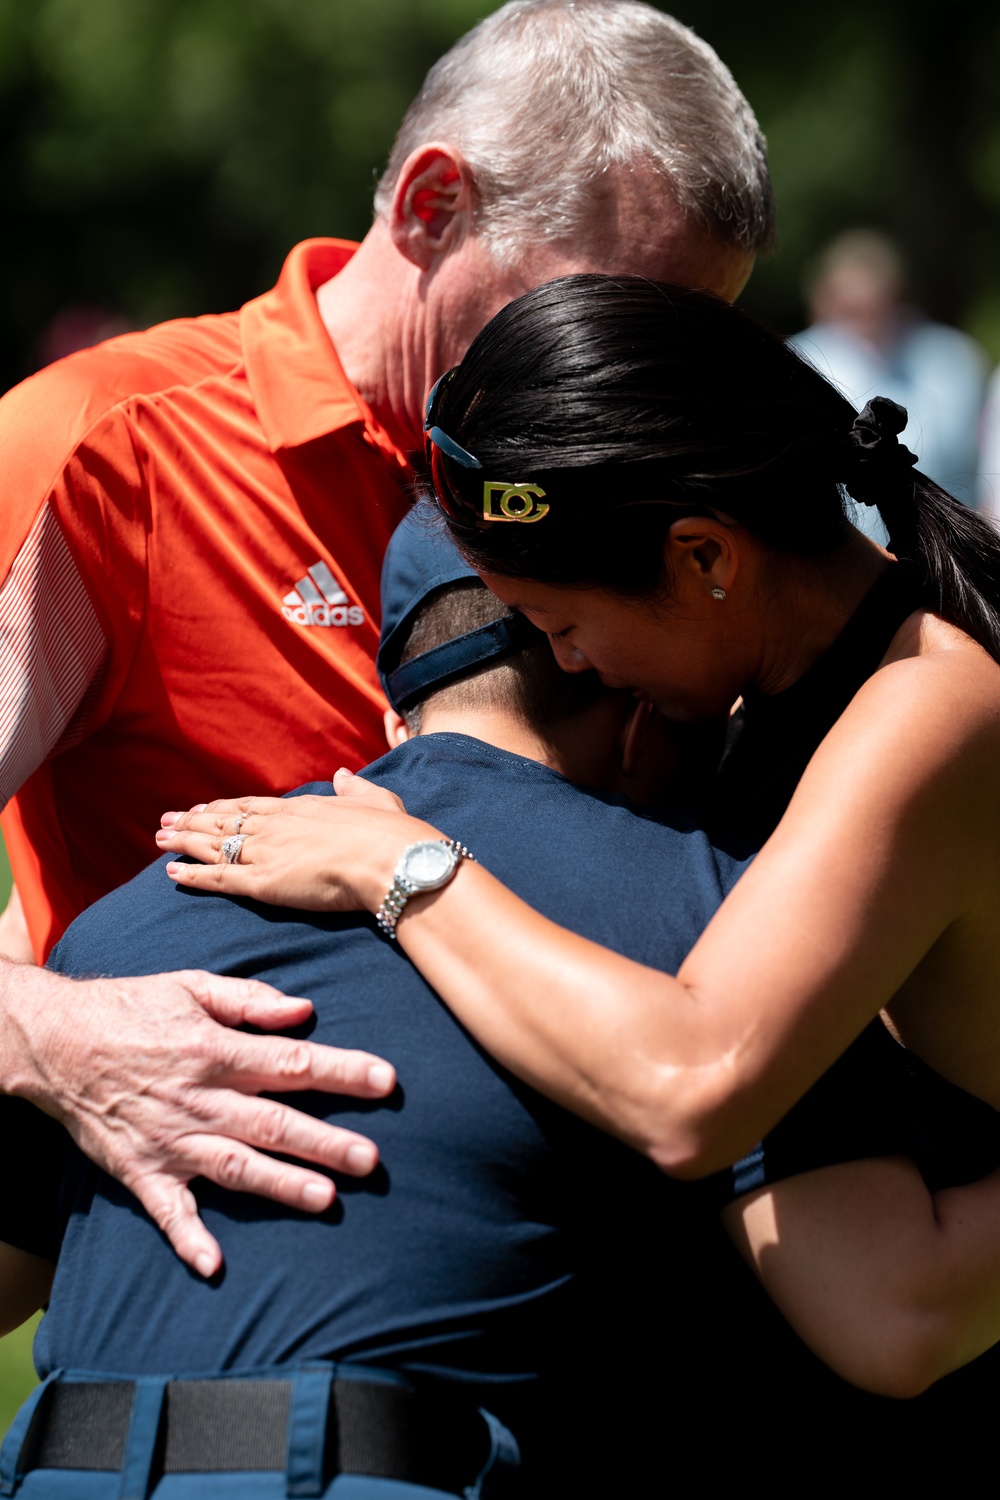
153 1083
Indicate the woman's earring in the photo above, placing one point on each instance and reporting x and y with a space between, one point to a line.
718 594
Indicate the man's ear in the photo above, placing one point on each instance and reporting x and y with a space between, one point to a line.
431 205
647 757
702 553
632 736
396 729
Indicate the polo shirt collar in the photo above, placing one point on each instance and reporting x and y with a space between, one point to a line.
299 386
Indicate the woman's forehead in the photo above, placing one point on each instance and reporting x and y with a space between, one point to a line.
528 594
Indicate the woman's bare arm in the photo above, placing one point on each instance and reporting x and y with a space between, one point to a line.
889 841
25 1284
890 1285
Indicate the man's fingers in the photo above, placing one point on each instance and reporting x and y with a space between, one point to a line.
277 1065
232 1165
239 1122
236 1166
271 1126
244 1002
172 1207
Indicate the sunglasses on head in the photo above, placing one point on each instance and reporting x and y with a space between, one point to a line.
466 498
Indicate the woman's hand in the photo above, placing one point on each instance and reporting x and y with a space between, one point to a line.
317 853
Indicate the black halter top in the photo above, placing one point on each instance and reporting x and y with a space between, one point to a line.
771 739
877 1099
878 1093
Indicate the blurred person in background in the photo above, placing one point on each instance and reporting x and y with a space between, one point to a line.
989 477
194 523
870 340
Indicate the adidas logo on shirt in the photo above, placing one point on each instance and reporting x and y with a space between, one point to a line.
318 599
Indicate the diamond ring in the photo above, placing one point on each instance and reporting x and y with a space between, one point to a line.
231 847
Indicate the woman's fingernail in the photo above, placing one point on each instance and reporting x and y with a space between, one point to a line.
174 867
361 1158
342 771
204 1263
317 1194
380 1077
169 819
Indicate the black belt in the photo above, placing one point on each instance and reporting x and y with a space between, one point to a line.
377 1428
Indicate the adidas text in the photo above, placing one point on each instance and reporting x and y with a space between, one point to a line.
318 599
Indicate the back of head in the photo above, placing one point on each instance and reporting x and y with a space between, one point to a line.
526 684
448 642
630 402
548 100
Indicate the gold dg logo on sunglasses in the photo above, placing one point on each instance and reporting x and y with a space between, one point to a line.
512 502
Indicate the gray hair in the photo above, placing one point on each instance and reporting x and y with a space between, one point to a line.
545 97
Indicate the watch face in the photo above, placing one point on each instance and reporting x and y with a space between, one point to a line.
428 864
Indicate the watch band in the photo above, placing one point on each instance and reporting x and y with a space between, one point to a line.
401 890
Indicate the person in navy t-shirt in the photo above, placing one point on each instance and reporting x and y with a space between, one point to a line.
466 1261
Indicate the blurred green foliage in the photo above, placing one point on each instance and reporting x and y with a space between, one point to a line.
157 157
17 1373
884 116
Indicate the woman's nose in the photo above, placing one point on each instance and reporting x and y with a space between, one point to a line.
570 658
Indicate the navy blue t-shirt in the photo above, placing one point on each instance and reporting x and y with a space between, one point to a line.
458 1257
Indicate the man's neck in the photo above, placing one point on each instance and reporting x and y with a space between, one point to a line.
365 311
584 747
504 731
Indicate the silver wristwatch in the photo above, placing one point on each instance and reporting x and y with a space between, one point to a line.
425 866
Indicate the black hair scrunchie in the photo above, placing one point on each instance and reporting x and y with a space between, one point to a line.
875 463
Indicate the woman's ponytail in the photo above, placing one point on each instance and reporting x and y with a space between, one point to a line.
956 556
954 552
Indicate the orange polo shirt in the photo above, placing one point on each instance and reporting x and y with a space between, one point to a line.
193 527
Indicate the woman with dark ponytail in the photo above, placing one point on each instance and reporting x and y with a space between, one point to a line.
662 399
666 490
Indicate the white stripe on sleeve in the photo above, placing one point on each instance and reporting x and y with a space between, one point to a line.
51 649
